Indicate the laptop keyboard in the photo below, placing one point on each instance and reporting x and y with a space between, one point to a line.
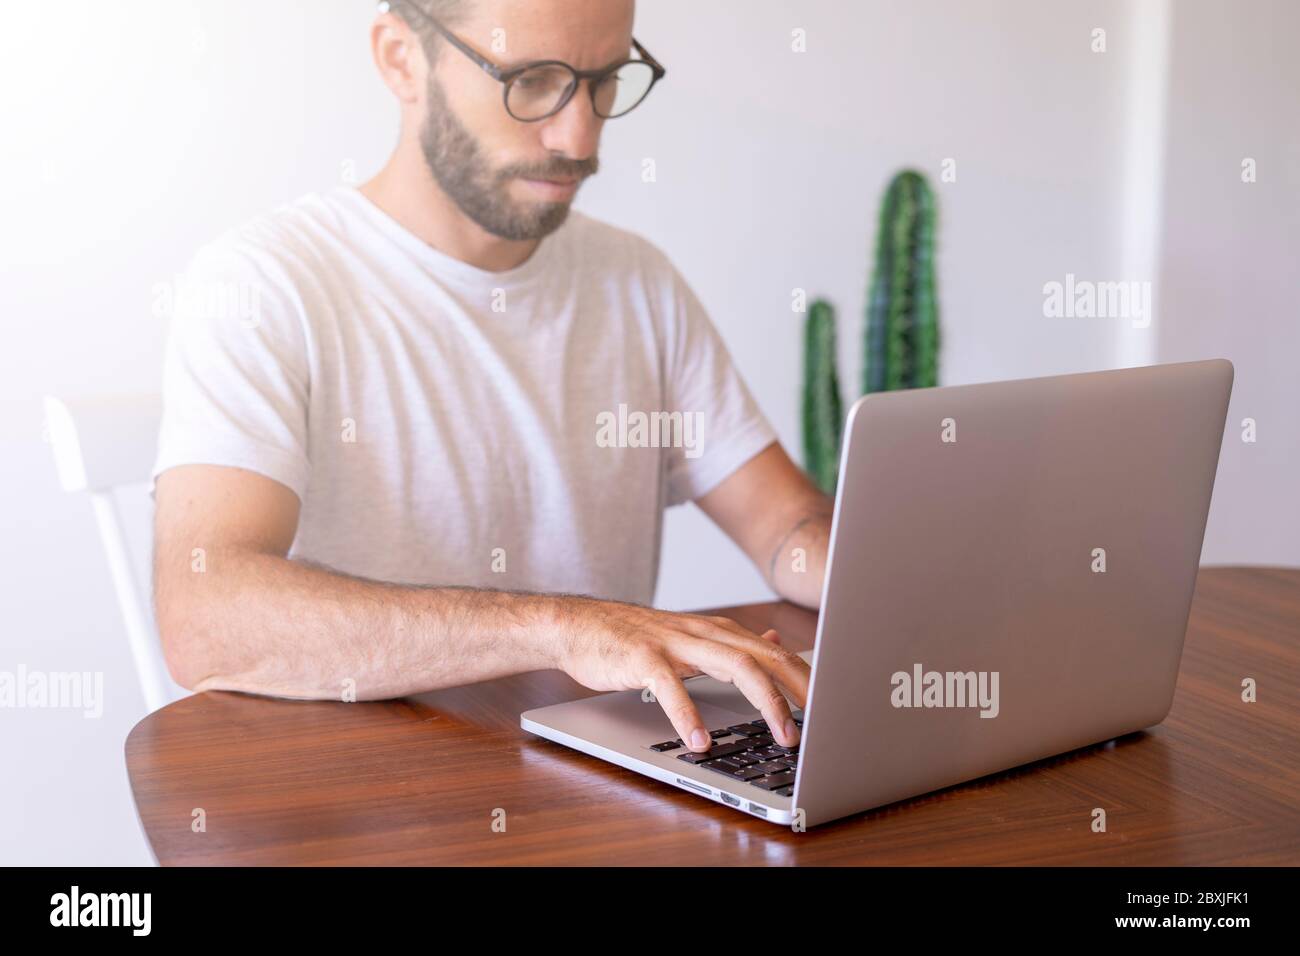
745 752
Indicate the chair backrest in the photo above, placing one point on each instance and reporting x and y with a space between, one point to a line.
103 445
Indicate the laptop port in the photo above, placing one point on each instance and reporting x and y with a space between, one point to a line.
695 786
757 810
728 798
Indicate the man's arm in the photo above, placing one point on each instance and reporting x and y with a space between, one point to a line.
780 519
235 613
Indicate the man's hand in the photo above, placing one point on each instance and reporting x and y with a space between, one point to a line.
609 646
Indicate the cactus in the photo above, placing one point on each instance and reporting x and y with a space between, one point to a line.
823 410
901 334
902 325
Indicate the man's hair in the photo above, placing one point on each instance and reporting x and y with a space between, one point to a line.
446 12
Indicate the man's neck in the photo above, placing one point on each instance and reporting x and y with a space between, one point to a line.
407 191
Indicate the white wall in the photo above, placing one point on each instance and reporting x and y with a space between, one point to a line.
1230 279
133 132
771 181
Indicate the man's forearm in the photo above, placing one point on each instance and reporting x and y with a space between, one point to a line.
266 624
798 563
779 517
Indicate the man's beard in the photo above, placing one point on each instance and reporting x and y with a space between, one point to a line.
482 193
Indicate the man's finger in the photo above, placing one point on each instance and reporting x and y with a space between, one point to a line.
681 711
786 667
734 665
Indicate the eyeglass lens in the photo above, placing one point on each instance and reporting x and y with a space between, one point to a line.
540 90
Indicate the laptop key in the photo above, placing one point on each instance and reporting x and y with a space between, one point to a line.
743 773
746 730
693 757
774 781
771 766
714 752
785 791
715 734
666 745
726 750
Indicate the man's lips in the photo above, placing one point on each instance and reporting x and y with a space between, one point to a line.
561 188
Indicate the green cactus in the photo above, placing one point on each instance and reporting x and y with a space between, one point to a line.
902 322
823 409
901 334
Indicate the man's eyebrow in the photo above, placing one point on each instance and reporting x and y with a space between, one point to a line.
508 66
615 62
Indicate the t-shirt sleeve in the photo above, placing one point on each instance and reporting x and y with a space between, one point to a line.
235 372
702 379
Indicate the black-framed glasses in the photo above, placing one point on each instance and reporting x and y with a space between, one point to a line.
536 90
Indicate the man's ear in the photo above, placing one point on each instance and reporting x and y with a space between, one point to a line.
399 56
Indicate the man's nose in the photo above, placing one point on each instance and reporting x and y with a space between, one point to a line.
575 130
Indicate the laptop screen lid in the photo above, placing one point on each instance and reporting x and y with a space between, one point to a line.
1010 575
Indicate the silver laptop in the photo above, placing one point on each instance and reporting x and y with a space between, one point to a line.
1010 575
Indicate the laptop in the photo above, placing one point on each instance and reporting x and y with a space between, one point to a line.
1010 574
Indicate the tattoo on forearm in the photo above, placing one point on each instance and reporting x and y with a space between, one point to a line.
806 519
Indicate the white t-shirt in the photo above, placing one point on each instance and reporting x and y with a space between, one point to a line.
445 425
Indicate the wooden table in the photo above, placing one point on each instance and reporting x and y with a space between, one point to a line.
421 780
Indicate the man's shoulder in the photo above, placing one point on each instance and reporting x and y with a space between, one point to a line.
278 241
266 272
624 249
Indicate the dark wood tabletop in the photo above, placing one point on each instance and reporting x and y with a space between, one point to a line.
429 779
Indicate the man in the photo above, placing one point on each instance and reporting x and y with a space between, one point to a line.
380 464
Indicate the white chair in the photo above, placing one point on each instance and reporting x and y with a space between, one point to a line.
101 446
